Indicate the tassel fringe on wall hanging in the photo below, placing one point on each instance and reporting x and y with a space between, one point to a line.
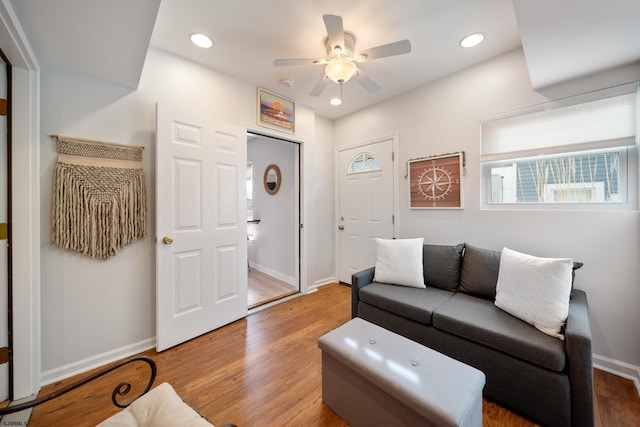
99 196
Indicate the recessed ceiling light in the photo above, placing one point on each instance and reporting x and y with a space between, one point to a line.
201 40
471 40
335 101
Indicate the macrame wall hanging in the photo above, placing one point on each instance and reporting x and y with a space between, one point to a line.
99 196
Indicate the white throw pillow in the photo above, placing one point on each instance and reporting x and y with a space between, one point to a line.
399 262
535 290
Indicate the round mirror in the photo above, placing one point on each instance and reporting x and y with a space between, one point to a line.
272 179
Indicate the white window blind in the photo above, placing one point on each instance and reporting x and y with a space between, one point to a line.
611 121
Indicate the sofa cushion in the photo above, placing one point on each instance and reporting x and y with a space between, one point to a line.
479 271
415 304
399 262
442 266
480 321
535 290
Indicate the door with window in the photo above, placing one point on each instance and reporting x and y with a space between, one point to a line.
366 201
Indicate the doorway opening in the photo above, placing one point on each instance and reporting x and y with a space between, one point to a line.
273 219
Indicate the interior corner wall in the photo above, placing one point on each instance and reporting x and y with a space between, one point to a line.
95 311
444 117
319 175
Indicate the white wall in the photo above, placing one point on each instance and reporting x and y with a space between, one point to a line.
274 247
319 176
444 117
94 311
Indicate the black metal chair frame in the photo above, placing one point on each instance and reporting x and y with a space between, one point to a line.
121 389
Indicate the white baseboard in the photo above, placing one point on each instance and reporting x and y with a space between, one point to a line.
621 369
289 280
75 368
321 282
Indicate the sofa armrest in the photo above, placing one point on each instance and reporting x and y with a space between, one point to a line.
358 281
578 344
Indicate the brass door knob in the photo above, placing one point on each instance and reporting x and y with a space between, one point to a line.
167 240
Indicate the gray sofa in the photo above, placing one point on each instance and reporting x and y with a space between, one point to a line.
544 379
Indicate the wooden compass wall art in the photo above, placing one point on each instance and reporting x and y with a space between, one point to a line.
436 182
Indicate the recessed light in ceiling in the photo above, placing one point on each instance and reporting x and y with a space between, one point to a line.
471 40
201 40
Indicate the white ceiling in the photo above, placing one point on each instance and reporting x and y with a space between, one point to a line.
109 39
105 39
579 38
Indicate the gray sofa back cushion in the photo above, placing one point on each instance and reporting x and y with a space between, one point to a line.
442 266
479 272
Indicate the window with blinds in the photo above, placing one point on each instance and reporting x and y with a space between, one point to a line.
570 152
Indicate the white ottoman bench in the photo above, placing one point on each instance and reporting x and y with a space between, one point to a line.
374 377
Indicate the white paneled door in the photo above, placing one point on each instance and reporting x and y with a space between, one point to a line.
366 204
201 228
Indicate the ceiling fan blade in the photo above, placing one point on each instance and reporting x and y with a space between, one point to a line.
396 48
324 81
298 61
366 82
335 31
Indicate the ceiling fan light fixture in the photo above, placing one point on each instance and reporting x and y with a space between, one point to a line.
472 40
201 40
340 70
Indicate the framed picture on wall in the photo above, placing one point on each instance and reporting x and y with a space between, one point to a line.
276 112
436 182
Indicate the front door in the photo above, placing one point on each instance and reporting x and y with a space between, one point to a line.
201 229
366 204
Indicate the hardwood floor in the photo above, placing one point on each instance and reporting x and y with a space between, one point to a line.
263 288
265 370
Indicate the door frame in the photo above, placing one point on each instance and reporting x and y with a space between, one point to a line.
302 247
25 228
8 260
394 137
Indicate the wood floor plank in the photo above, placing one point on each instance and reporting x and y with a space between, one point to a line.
263 289
616 399
265 370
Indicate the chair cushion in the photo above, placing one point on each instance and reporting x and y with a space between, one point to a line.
442 266
480 321
412 303
160 407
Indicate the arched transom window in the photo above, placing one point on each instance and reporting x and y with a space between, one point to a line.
363 162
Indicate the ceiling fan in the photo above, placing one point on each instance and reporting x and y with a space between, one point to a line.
340 64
